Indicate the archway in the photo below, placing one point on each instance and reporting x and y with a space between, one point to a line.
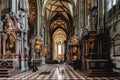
58 45
59 25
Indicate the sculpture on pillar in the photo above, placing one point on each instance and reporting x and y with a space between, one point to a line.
23 14
84 32
17 22
38 47
24 6
7 21
46 51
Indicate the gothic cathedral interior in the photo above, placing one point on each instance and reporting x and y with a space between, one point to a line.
60 39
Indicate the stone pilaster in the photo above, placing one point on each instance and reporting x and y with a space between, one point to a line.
17 47
1 28
0 47
4 44
22 54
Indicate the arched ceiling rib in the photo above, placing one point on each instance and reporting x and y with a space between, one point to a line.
59 14
53 7
59 32
59 23
59 35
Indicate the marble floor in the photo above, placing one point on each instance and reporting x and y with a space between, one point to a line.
56 72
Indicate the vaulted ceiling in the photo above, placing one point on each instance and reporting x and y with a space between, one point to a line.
58 13
54 7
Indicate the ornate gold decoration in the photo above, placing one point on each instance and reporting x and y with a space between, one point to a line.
38 45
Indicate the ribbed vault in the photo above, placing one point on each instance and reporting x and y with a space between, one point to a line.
59 16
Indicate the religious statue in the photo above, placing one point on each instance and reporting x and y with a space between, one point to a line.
74 40
17 21
38 47
10 43
8 22
92 46
14 20
46 51
24 6
20 19
20 22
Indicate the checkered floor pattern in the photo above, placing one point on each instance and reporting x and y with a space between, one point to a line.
57 72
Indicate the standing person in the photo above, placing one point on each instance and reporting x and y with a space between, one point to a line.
58 61
34 66
59 65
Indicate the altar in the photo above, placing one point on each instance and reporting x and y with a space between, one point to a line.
9 63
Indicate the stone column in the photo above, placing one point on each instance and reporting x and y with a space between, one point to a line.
1 28
38 18
26 41
4 44
94 15
17 48
24 8
0 46
79 16
14 6
86 46
22 54
101 19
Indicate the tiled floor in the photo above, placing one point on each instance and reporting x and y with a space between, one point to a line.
57 72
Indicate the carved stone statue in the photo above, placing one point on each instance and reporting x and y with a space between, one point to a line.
74 40
17 21
14 20
46 51
8 22
24 5
20 18
20 22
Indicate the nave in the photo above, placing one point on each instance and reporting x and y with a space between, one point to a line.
56 72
